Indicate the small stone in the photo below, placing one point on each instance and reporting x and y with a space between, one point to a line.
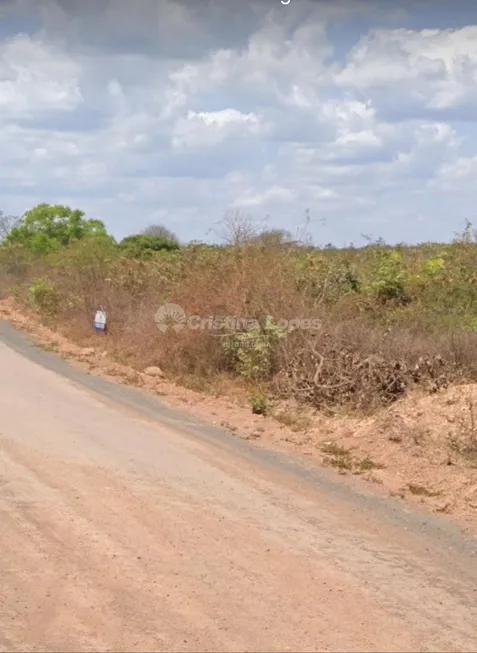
154 371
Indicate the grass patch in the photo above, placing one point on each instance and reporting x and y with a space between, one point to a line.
297 420
367 465
342 459
422 491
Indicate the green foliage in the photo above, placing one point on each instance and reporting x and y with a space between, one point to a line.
252 353
311 273
433 267
391 277
88 254
259 403
145 246
44 297
84 270
326 277
47 228
348 278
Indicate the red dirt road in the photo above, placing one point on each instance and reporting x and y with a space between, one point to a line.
121 533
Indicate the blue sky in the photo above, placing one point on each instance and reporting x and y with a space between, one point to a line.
176 112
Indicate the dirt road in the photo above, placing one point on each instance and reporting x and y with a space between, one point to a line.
126 527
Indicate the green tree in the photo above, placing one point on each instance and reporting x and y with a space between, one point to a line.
49 227
142 246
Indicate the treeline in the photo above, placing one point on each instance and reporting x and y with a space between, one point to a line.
48 228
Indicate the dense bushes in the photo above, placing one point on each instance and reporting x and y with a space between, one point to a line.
144 246
390 318
47 228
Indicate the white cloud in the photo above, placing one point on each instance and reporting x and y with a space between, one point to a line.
271 195
275 66
460 175
208 129
435 69
36 76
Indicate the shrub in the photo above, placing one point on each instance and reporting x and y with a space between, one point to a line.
145 246
253 353
44 297
259 403
391 278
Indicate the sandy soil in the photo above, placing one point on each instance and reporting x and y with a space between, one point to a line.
118 533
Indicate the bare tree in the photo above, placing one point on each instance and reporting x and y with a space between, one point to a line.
7 223
236 229
160 230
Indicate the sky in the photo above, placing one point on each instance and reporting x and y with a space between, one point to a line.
348 119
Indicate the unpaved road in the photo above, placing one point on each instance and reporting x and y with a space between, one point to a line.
127 527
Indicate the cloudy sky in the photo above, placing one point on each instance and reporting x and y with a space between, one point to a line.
176 112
